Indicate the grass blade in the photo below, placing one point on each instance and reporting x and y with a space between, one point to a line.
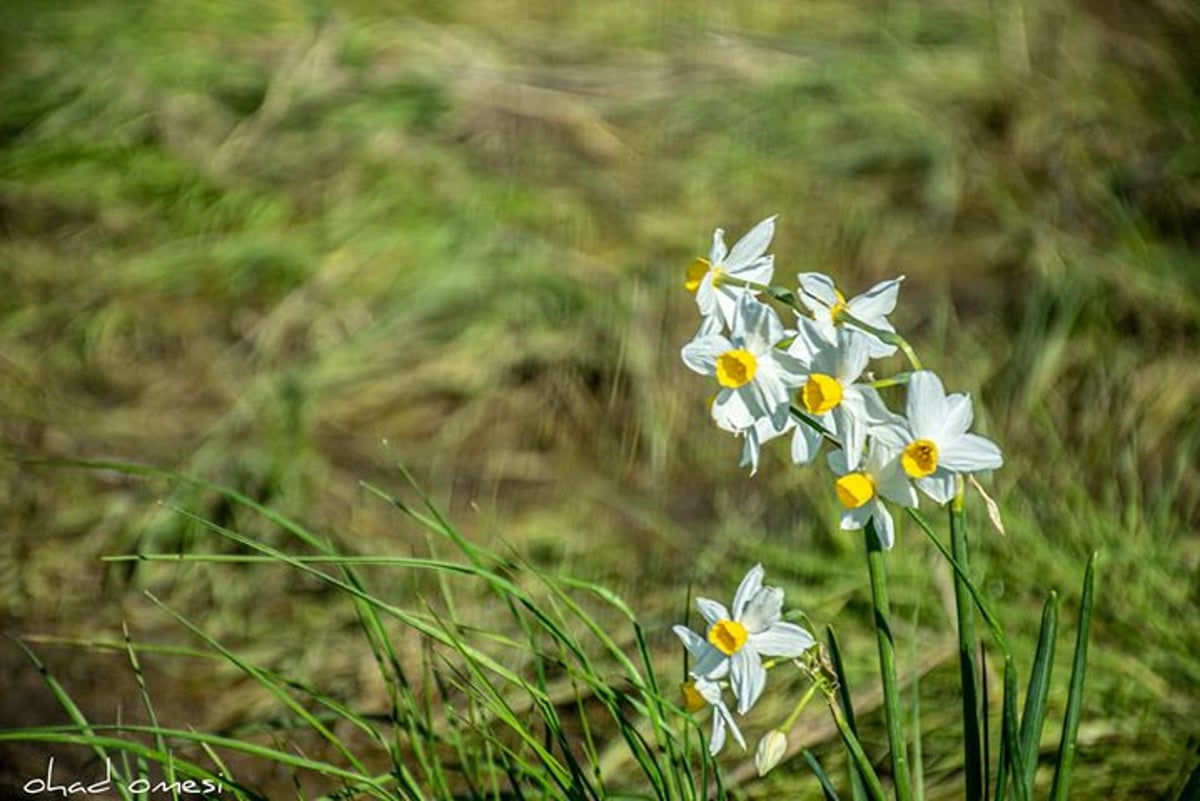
826 785
1034 714
1009 737
1070 731
835 656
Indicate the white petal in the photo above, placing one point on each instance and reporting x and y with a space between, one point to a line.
852 431
854 351
751 246
708 661
926 404
706 295
748 677
894 436
727 716
808 343
971 453
751 449
892 483
958 415
877 302
730 410
760 271
855 519
817 292
939 486
885 529
784 640
749 587
727 297
879 348
806 443
762 610
712 611
875 411
691 640
701 353
837 463
757 324
717 741
718 252
774 390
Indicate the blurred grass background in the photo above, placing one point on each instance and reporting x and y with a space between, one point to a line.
251 241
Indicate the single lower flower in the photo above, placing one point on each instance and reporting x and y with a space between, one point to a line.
746 262
933 442
737 639
822 298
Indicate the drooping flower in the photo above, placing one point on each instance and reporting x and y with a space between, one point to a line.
829 395
755 377
862 490
748 261
736 642
933 443
822 298
699 692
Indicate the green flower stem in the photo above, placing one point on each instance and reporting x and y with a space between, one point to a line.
887 665
966 651
890 337
786 726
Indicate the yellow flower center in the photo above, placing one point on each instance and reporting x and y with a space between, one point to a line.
695 274
838 307
728 636
855 489
692 699
821 393
736 368
920 458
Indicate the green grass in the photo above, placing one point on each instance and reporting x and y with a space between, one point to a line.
249 244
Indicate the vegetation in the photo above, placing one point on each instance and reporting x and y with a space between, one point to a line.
251 242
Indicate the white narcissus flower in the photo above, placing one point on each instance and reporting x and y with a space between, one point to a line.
829 395
746 262
699 692
934 445
821 296
754 375
735 643
861 491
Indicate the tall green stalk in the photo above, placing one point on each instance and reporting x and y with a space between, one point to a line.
964 607
887 665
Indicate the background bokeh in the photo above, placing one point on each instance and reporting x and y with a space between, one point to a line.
287 246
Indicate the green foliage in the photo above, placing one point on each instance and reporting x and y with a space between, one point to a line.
248 241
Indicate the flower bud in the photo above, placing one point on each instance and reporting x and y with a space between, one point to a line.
770 752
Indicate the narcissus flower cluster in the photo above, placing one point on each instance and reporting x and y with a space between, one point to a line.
810 379
807 376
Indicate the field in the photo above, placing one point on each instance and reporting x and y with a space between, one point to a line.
288 247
